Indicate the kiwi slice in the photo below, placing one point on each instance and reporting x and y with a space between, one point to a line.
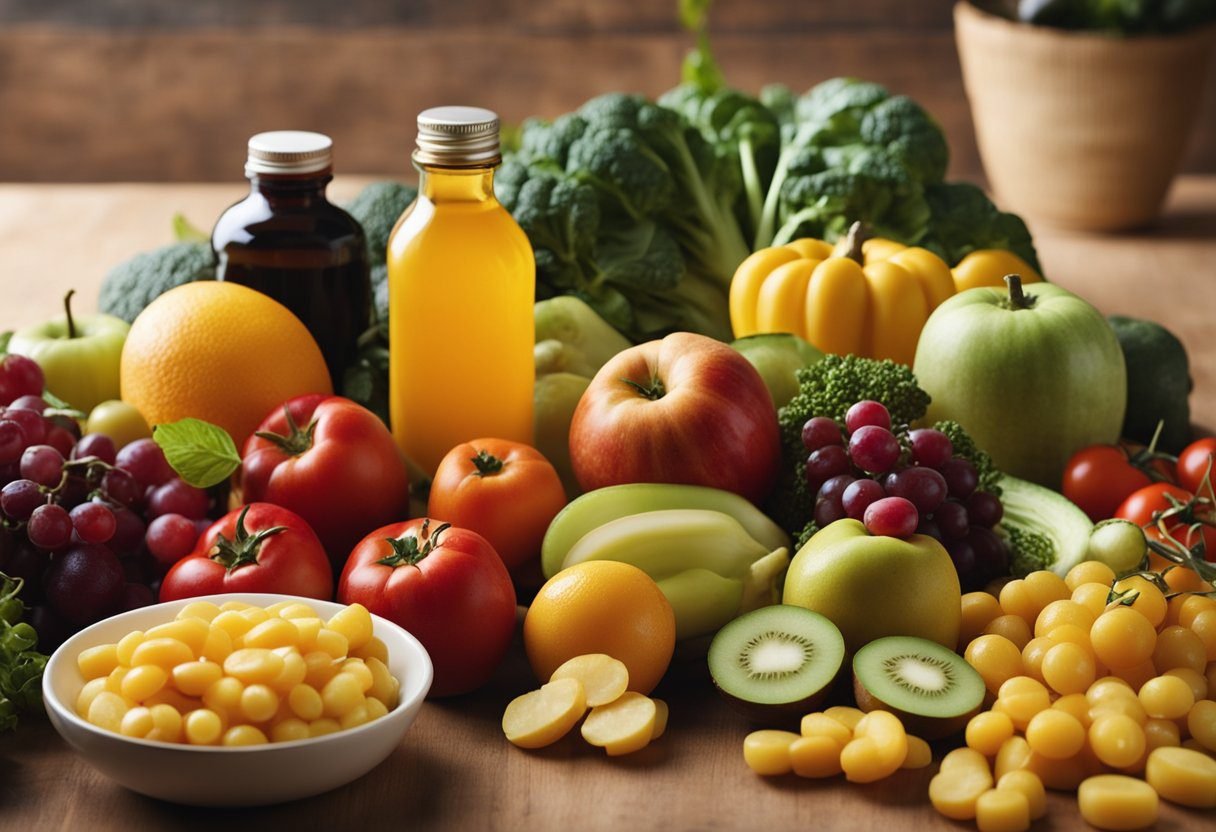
776 663
929 687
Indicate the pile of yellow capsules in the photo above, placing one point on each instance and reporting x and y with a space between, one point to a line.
237 674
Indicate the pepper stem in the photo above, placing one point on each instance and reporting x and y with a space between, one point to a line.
486 463
67 309
859 232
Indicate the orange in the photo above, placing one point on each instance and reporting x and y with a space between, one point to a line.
220 352
602 606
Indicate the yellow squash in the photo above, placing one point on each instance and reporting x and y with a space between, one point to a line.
866 297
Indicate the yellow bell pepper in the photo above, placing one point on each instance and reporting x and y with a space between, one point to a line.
866 297
988 267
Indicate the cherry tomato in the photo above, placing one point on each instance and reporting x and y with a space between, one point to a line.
256 548
1194 462
1140 504
1189 536
332 462
505 491
447 586
1099 478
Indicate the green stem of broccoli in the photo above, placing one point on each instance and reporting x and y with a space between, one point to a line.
753 188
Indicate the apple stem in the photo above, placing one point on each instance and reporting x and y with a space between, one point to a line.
1017 298
67 308
655 391
857 236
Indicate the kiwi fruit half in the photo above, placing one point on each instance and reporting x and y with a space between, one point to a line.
929 687
776 663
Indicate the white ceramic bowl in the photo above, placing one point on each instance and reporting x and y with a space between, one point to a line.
241 776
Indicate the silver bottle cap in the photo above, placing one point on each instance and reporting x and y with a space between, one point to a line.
289 152
457 137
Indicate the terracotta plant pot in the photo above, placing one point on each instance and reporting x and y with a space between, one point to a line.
1078 129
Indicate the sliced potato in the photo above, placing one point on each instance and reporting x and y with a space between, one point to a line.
660 719
604 678
542 717
622 726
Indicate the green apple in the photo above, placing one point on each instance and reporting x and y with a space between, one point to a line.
1033 376
872 586
778 356
78 354
554 399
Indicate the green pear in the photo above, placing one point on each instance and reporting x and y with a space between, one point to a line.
872 586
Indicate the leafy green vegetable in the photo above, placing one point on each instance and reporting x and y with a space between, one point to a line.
132 285
21 665
377 208
201 453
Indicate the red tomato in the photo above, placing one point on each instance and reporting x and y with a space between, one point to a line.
1140 504
1099 478
505 491
445 585
1194 463
332 462
1189 536
256 548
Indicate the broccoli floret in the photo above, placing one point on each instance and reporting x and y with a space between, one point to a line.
829 388
963 219
377 208
908 133
379 281
132 285
839 104
964 446
871 188
1029 551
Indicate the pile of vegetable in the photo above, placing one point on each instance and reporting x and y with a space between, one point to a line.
1124 17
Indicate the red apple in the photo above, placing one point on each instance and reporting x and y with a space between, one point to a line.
686 409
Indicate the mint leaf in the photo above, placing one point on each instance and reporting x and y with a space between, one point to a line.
201 453
185 231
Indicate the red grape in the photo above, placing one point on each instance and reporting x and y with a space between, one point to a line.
60 439
984 509
12 441
865 413
923 486
819 432
136 595
828 511
121 487
94 522
95 444
85 583
858 496
825 463
891 517
30 402
129 531
170 538
178 497
961 477
834 488
951 517
930 447
42 464
9 471
49 527
19 498
32 423
145 461
991 556
28 564
929 528
19 376
963 554
874 449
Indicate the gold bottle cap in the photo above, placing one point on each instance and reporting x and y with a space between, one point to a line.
288 152
457 137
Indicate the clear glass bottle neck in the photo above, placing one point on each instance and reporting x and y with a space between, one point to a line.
467 184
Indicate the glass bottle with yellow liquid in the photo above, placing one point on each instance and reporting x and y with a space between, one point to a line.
461 280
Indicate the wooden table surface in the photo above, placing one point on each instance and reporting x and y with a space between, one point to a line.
454 770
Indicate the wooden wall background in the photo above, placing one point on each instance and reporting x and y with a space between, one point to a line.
97 90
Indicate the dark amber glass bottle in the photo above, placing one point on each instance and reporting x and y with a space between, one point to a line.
287 240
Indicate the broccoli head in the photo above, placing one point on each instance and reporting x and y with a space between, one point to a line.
1029 551
836 106
377 208
132 285
963 219
909 134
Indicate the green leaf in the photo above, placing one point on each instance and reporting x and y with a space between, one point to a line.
694 14
201 453
186 232
5 337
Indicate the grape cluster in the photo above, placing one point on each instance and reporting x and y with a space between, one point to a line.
864 471
89 528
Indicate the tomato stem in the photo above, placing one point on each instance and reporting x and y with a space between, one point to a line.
243 548
297 441
486 463
407 551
